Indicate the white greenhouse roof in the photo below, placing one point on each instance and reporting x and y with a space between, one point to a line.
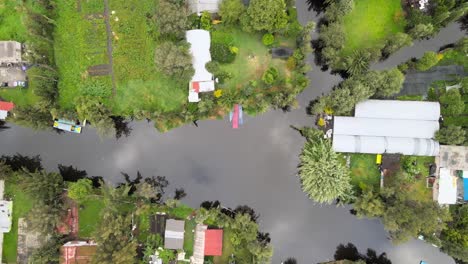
198 6
395 109
200 50
380 145
447 187
384 127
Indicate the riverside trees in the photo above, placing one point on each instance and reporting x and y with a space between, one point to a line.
323 174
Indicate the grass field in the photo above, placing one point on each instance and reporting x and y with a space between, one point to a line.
11 26
21 205
88 217
251 61
189 237
21 97
370 22
364 171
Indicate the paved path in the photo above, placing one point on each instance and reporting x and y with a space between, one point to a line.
109 45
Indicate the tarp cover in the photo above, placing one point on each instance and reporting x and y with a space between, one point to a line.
394 109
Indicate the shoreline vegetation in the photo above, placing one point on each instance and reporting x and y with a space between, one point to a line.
130 60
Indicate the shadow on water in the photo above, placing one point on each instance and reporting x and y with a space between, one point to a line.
18 162
318 6
3 125
350 252
71 174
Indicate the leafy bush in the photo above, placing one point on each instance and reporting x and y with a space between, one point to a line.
452 103
410 165
270 75
213 67
268 39
205 21
291 63
427 61
221 52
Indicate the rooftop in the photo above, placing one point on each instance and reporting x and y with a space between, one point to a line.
174 235
10 52
77 252
453 157
213 242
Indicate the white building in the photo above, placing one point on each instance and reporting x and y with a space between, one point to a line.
6 211
198 6
202 80
389 126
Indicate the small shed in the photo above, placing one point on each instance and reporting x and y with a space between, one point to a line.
174 234
5 107
213 242
10 52
198 6
77 252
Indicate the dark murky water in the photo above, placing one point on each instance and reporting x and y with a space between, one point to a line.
254 165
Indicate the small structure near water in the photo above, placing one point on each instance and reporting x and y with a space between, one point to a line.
67 125
202 80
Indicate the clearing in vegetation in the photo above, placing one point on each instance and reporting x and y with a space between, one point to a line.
364 171
371 22
89 212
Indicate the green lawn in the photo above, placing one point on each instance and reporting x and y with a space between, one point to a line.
11 26
88 217
364 171
79 43
243 256
189 237
370 22
22 203
20 96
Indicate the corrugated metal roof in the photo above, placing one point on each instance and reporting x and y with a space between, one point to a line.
394 109
213 242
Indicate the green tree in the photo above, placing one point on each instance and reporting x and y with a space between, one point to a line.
174 60
389 83
93 110
410 165
33 116
49 252
43 82
396 42
422 31
405 218
455 237
244 230
44 187
265 15
452 103
324 176
44 218
451 135
427 61
146 190
171 19
261 254
268 39
114 244
80 190
369 204
270 75
231 11
205 20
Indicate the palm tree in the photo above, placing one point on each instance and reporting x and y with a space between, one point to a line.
358 62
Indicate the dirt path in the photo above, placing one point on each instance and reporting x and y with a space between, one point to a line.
109 44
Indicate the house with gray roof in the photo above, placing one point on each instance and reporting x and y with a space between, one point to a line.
12 73
174 234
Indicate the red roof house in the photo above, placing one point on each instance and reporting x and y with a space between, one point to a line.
213 242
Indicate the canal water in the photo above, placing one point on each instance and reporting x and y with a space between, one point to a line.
255 165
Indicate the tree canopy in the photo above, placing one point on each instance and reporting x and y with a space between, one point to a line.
323 175
265 15
231 11
174 60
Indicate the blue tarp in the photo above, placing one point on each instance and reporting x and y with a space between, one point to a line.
465 189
